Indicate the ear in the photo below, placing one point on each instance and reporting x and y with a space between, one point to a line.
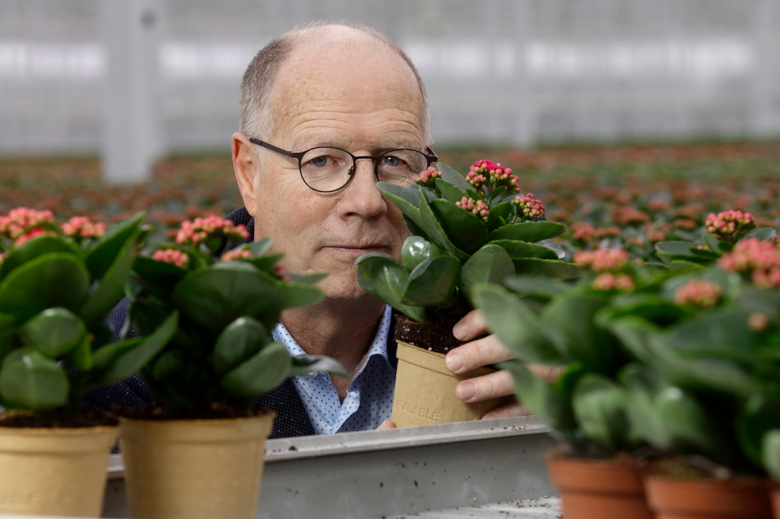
245 169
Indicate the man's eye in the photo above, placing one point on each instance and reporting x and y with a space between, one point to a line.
321 161
391 161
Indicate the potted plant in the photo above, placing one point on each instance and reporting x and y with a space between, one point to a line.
57 286
199 451
465 230
652 361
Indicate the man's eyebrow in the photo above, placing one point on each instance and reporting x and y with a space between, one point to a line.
383 144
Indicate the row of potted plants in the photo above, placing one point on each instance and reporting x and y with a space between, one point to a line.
200 337
669 385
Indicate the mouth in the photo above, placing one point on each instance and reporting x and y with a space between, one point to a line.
358 250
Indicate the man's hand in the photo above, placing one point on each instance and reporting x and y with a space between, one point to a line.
482 351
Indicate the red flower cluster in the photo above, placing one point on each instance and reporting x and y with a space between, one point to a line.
530 207
22 220
426 177
729 225
174 256
758 259
602 260
200 229
80 227
698 292
477 207
237 255
486 173
609 282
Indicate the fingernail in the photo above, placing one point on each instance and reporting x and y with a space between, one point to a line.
466 391
454 361
461 331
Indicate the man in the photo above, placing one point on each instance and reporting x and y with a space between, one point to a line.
332 86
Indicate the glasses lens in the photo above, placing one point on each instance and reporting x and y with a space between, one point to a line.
326 169
399 166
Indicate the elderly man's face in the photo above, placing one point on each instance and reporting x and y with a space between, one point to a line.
361 100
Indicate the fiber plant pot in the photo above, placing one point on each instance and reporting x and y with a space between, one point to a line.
54 471
176 469
680 498
599 489
774 495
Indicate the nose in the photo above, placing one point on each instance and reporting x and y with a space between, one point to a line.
361 196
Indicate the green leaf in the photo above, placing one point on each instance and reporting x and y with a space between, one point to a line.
217 296
771 453
535 286
316 363
600 410
105 250
528 231
54 332
722 333
136 354
490 264
762 233
54 279
759 415
432 282
520 249
516 325
767 302
261 373
499 215
299 294
463 228
158 275
35 248
452 176
167 365
548 405
80 357
433 229
417 249
554 269
238 342
30 380
570 320
407 199
670 251
448 191
642 386
714 244
260 247
382 276
110 289
689 426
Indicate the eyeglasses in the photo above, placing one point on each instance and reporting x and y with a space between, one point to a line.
326 169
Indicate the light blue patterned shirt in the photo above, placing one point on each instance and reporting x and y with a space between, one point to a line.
369 399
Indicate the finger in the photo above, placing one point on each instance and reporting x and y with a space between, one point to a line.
387 424
507 411
482 388
475 354
548 373
471 326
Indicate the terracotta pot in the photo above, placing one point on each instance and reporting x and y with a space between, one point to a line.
59 472
680 498
598 489
194 468
774 496
425 390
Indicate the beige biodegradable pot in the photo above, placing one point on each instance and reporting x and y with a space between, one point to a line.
425 390
177 469
54 471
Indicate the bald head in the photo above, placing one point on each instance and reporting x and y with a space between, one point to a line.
259 106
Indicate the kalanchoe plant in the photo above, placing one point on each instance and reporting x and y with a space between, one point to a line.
228 304
465 230
57 286
682 358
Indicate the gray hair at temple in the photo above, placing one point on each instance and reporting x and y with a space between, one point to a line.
256 119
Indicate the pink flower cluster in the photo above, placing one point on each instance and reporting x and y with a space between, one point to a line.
174 256
198 230
281 272
602 260
729 225
21 219
80 227
609 282
426 177
237 255
34 233
484 172
698 292
759 259
477 207
530 207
